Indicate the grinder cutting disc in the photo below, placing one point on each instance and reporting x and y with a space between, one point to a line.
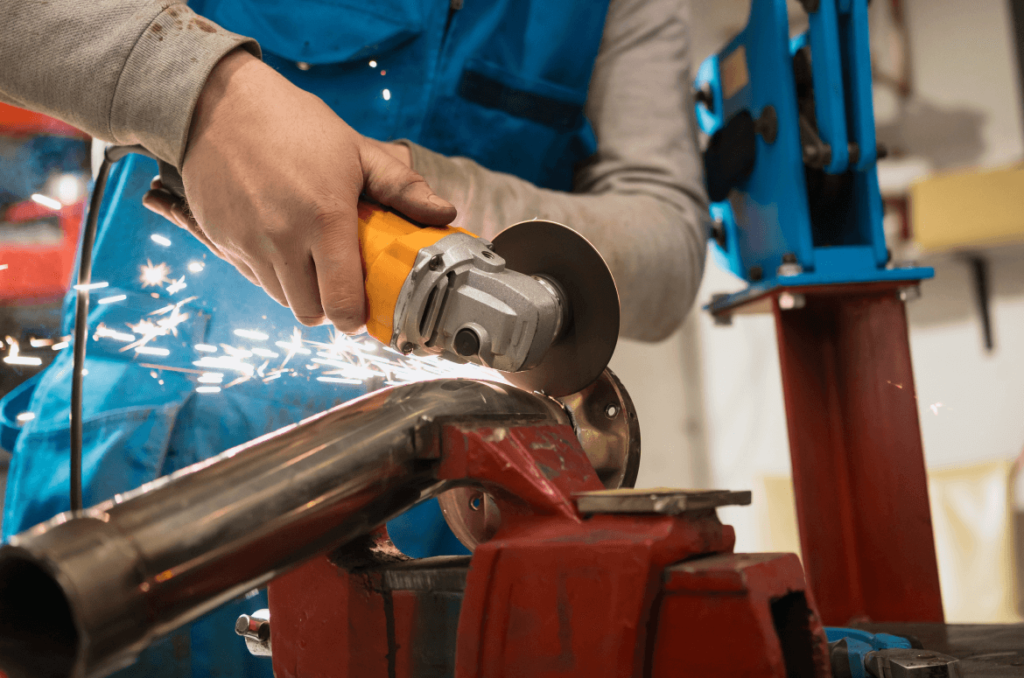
585 345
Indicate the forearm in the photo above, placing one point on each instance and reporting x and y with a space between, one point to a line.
126 71
654 245
641 198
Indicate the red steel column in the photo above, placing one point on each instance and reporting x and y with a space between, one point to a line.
858 462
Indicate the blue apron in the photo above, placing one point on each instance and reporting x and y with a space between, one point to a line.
500 81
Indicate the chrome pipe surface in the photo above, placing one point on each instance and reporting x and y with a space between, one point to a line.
81 596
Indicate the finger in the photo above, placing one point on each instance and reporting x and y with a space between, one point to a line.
298 282
178 213
391 183
195 229
160 202
244 269
339 272
267 278
399 152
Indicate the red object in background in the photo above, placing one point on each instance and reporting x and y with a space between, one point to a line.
552 593
16 122
855 446
39 272
858 461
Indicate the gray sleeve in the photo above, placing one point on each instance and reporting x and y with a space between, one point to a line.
640 199
126 71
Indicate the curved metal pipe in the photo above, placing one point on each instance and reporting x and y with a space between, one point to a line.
81 596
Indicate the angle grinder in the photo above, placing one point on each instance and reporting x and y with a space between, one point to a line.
538 303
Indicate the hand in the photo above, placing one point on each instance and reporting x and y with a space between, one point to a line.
272 177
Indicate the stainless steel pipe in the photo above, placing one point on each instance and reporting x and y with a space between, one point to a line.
81 596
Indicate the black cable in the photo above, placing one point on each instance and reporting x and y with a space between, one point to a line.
111 156
81 331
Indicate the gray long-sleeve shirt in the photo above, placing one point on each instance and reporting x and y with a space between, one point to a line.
130 71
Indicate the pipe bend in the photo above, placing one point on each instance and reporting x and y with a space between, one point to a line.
82 596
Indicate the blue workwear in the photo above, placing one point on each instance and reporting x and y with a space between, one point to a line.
502 82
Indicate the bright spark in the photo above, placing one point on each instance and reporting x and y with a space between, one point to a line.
110 300
60 346
26 416
241 380
46 201
195 266
265 353
208 389
92 286
168 325
154 276
3 267
40 343
386 94
177 286
349 370
293 346
14 358
239 353
225 363
152 350
104 331
171 322
205 348
211 378
70 188
251 334
149 331
338 380
160 240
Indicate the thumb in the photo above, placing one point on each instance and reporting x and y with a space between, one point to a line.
391 183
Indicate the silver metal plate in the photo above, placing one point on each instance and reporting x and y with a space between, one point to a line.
658 500
606 424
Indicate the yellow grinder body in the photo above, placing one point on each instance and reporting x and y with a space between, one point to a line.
389 244
538 304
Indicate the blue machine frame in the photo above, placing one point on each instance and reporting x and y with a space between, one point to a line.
767 220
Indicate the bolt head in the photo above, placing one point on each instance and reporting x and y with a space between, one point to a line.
788 301
467 342
242 624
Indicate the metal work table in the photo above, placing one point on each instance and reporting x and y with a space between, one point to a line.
984 650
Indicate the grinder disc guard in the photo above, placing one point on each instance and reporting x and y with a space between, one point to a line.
585 345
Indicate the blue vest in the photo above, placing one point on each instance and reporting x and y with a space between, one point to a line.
500 81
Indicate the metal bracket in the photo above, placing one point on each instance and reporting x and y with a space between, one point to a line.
659 501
